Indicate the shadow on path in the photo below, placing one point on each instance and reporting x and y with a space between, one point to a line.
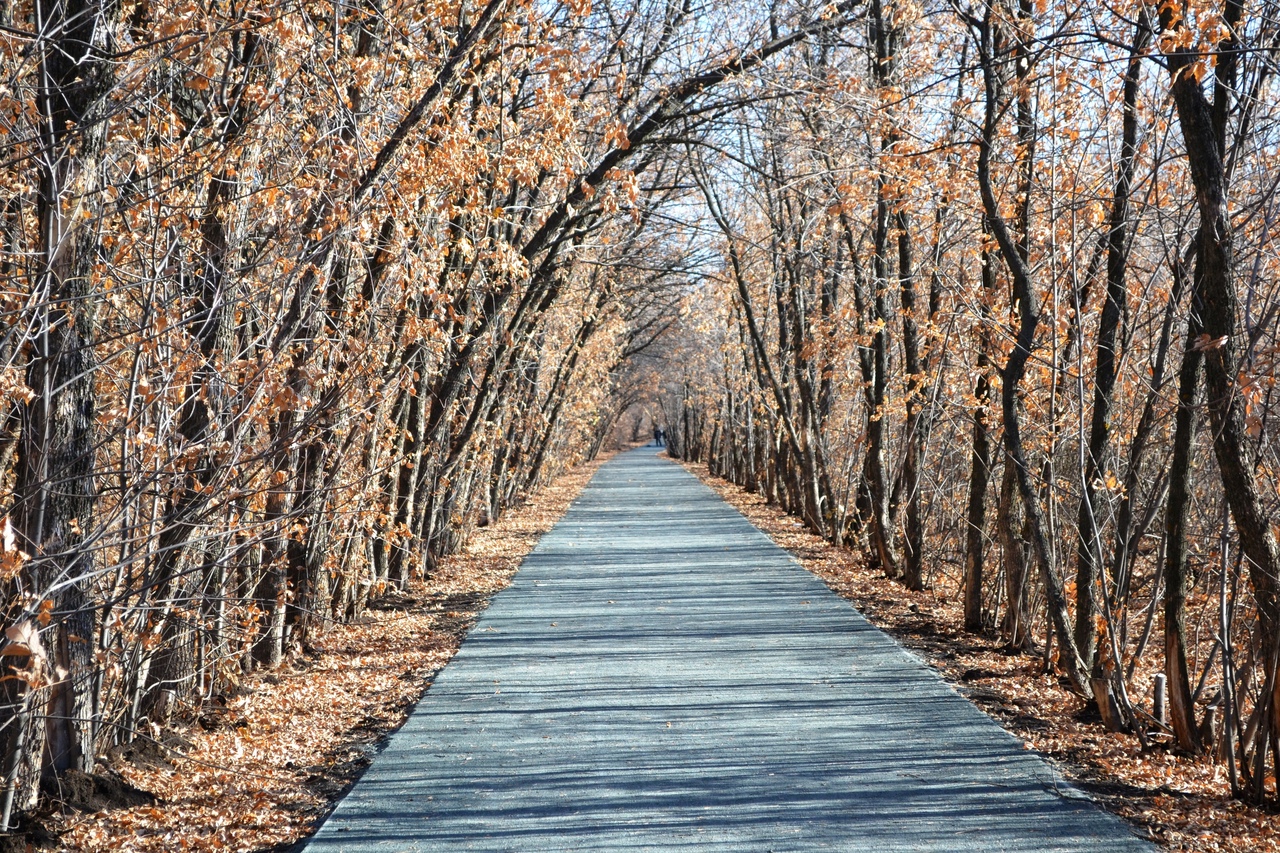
661 676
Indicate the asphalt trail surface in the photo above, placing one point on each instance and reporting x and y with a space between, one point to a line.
661 676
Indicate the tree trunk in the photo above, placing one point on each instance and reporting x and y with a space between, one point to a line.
1016 626
1027 301
1089 551
56 492
1204 134
913 542
1177 580
980 462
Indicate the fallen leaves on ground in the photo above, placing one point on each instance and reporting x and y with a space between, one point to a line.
1181 803
258 771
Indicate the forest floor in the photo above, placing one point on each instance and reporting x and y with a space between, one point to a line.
1179 802
261 770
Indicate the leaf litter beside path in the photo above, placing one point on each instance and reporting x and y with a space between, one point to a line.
259 772
1181 803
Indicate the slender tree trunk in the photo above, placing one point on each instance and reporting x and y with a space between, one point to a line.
1126 541
980 461
1089 553
1028 305
1177 576
1011 521
912 465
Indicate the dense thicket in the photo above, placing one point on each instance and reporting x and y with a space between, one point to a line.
997 303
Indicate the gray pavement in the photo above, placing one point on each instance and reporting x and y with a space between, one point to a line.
661 676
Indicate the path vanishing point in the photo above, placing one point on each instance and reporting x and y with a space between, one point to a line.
661 676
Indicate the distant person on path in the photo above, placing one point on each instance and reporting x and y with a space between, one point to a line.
659 436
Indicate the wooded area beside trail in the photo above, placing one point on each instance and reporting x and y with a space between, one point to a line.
999 300
297 294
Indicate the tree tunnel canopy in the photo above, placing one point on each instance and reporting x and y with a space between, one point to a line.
296 294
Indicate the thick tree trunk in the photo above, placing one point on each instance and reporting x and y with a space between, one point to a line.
1204 134
54 506
213 319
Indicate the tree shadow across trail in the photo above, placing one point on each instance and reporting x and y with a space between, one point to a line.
662 677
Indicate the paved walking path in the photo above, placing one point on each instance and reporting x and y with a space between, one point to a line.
662 677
